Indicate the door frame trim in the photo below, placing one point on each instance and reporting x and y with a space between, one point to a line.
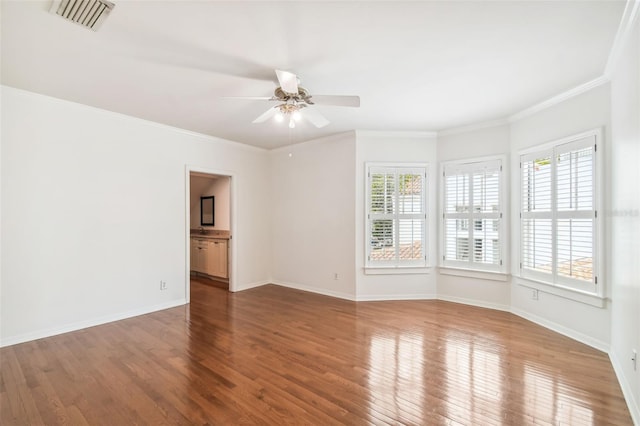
189 168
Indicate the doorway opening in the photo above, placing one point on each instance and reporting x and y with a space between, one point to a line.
210 222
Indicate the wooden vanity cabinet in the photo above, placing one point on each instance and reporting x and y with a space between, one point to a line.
200 255
210 257
218 258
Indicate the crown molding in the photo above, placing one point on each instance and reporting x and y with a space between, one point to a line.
349 135
396 134
555 100
130 118
473 127
625 28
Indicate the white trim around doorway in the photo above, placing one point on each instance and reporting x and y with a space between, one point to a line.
189 168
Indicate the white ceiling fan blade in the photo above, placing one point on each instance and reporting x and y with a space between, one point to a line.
250 98
314 117
288 81
349 101
266 115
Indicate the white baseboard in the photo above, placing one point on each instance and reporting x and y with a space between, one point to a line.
316 290
632 403
582 338
251 285
40 334
382 297
351 297
478 303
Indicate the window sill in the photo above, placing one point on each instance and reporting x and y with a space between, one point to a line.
474 273
396 270
567 293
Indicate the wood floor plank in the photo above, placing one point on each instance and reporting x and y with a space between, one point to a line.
273 355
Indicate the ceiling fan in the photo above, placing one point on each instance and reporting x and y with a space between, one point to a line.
293 98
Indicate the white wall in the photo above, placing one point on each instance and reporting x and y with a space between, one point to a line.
474 143
624 219
493 290
587 111
93 214
403 147
219 187
313 219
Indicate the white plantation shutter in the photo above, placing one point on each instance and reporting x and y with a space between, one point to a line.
396 216
558 215
575 199
536 216
486 213
472 215
382 186
456 218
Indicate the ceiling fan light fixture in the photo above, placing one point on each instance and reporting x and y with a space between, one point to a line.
292 98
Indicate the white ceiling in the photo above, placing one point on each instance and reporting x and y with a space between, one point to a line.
417 66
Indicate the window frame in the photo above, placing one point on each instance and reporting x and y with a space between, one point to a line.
469 166
396 265
588 292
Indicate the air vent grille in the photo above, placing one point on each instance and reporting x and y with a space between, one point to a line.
88 13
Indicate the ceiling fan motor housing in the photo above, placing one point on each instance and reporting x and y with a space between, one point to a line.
301 97
292 98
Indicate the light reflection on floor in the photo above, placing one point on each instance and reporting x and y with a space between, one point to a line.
395 377
476 386
547 398
473 380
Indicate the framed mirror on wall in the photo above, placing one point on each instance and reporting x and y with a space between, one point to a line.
207 210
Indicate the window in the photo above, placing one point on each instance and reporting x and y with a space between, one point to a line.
558 225
472 195
396 216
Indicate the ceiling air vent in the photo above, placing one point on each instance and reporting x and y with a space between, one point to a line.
88 13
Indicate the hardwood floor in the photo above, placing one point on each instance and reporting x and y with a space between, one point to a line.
273 355
211 281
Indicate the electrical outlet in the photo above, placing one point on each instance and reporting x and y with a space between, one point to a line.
634 359
534 294
163 285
